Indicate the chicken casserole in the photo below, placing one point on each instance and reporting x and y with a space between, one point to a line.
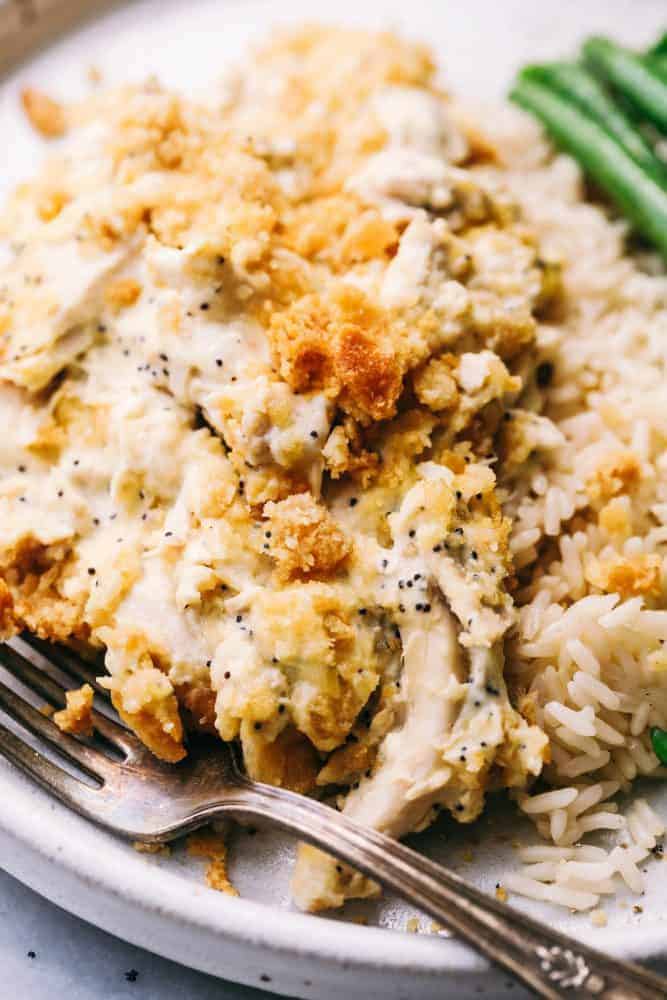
259 357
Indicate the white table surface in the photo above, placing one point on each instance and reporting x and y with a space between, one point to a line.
75 961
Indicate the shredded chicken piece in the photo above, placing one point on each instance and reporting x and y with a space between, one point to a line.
455 720
408 775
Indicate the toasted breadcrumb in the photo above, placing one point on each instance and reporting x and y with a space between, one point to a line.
306 541
122 292
8 625
206 843
289 761
614 519
76 717
51 204
146 700
620 473
435 385
34 572
629 576
45 114
217 878
211 845
142 847
341 345
501 894
344 453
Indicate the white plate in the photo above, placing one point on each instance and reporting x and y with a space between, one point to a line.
163 904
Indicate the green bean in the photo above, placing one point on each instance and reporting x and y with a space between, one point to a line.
636 195
658 65
659 50
575 82
632 76
659 743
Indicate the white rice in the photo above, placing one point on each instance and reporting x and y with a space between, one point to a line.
549 801
590 661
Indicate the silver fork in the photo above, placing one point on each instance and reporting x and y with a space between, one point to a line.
140 798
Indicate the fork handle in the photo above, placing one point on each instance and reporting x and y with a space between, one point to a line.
549 963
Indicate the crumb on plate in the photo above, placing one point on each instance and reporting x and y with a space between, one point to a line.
46 115
76 717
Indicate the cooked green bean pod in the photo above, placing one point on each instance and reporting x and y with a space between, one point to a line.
577 83
634 192
631 76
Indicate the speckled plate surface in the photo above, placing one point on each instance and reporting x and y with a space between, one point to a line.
163 903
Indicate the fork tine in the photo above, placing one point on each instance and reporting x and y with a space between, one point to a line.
36 679
68 662
33 677
48 774
91 760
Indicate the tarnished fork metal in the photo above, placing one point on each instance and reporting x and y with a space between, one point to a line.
141 798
